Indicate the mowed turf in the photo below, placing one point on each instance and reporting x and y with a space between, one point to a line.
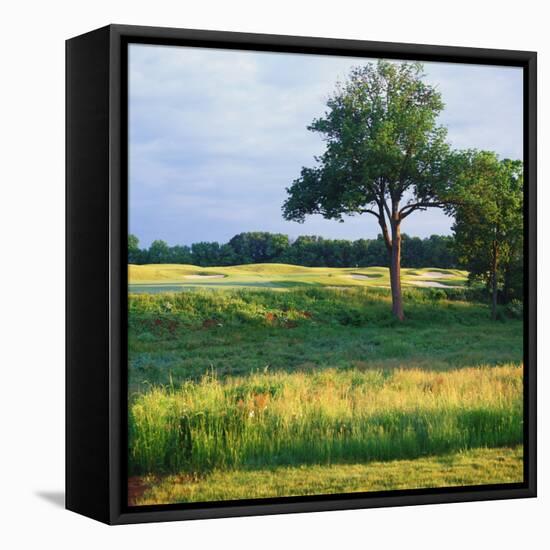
281 388
174 277
473 467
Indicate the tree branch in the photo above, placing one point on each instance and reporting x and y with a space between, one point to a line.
406 158
410 208
386 208
383 225
369 211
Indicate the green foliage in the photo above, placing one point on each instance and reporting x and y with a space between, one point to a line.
158 252
177 255
259 246
514 309
206 253
488 228
135 254
382 142
436 250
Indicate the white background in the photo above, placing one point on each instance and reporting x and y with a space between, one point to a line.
32 273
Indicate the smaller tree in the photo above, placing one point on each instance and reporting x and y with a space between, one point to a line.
306 250
135 254
488 210
206 254
180 254
227 255
359 252
158 253
439 251
413 251
259 246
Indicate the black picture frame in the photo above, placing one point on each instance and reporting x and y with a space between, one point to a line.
96 273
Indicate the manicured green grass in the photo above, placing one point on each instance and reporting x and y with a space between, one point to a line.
474 467
174 277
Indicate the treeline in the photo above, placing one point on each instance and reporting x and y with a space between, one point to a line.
310 251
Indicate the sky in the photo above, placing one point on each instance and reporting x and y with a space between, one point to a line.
215 137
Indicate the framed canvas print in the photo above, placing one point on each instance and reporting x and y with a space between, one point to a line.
301 274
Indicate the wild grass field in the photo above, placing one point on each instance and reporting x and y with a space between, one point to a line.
274 380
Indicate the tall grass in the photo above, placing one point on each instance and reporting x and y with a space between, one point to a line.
330 416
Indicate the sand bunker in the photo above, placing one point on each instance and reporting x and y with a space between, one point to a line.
434 275
204 276
432 284
363 277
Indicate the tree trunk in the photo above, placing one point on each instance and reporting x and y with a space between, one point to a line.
494 283
507 286
395 272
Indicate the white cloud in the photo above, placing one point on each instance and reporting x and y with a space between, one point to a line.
216 136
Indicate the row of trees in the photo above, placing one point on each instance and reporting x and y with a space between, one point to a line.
311 251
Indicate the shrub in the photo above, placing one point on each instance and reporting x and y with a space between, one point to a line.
514 309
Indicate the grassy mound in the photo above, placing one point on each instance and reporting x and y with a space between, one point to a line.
156 277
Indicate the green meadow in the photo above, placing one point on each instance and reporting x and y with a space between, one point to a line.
272 380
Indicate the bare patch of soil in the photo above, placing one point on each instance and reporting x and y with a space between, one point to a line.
136 489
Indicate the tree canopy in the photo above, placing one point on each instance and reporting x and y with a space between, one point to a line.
382 141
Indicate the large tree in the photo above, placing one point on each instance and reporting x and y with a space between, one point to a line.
385 156
488 210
